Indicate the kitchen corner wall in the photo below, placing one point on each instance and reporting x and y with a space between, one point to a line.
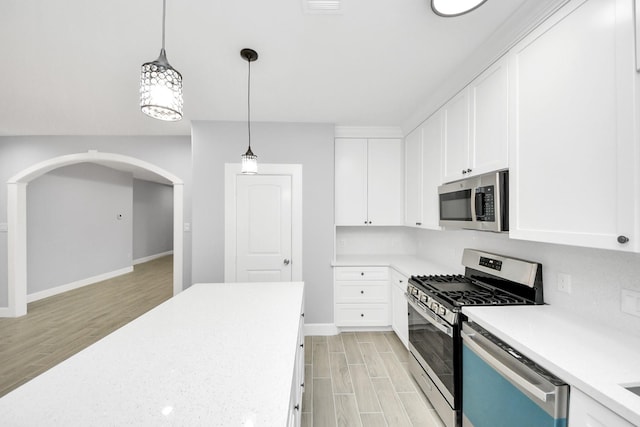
597 276
311 145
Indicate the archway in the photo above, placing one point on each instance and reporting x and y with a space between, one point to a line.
17 217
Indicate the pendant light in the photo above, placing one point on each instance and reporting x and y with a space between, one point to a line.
449 8
161 85
249 160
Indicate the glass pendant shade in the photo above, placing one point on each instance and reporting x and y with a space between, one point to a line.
161 90
454 7
249 163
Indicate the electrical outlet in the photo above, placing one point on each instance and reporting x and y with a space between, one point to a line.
4 227
342 243
630 302
564 283
187 226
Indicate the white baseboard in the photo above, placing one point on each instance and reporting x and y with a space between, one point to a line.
320 329
151 257
77 284
365 329
5 312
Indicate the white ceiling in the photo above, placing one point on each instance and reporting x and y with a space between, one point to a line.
72 67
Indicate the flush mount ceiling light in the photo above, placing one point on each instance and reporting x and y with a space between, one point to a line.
249 160
449 8
161 85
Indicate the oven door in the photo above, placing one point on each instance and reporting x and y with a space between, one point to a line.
432 343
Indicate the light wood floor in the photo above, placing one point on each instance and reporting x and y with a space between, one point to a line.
362 379
57 327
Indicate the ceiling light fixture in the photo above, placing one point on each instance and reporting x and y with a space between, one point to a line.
449 8
249 160
161 85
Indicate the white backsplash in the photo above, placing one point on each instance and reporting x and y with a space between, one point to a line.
375 241
597 276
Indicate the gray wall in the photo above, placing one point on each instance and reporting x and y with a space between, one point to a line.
597 276
73 229
217 143
152 218
172 153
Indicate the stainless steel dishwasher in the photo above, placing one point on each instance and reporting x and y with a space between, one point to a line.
501 388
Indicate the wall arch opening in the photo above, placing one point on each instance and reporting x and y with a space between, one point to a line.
17 216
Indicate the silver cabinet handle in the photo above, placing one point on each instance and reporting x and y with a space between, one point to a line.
286 261
623 239
511 375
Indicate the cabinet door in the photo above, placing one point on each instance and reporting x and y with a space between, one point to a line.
431 171
351 181
572 159
584 411
385 195
489 110
413 178
399 307
455 158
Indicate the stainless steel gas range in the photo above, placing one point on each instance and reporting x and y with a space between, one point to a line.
435 319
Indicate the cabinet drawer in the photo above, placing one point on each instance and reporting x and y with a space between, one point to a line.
362 315
364 291
398 280
362 273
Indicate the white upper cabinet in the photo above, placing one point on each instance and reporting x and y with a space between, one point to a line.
351 181
476 124
413 178
422 174
573 154
369 182
455 156
489 112
431 170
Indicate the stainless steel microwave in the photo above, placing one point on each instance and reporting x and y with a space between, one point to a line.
477 203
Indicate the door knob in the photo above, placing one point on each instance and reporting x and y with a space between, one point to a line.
286 261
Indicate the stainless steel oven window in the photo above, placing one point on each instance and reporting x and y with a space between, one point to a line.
436 348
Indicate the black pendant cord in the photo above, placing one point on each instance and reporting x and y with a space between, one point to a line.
249 103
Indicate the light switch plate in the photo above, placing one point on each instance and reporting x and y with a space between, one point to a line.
630 302
564 283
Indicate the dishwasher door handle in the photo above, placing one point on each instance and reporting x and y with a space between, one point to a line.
504 370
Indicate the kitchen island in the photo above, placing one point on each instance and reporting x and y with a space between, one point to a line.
215 355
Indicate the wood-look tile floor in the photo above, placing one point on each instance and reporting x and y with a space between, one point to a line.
57 327
362 379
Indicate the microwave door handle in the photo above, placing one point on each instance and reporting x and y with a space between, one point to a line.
473 205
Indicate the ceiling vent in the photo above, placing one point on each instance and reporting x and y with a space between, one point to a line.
322 6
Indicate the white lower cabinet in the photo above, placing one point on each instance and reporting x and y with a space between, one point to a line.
399 307
586 412
361 296
297 381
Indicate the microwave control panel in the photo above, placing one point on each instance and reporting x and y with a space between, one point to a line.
485 204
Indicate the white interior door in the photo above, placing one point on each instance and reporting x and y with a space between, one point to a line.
263 228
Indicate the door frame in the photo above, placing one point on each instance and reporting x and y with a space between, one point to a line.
17 218
231 170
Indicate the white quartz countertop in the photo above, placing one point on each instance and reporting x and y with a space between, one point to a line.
214 355
405 264
589 356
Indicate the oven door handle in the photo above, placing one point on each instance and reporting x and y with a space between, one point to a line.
431 317
511 375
